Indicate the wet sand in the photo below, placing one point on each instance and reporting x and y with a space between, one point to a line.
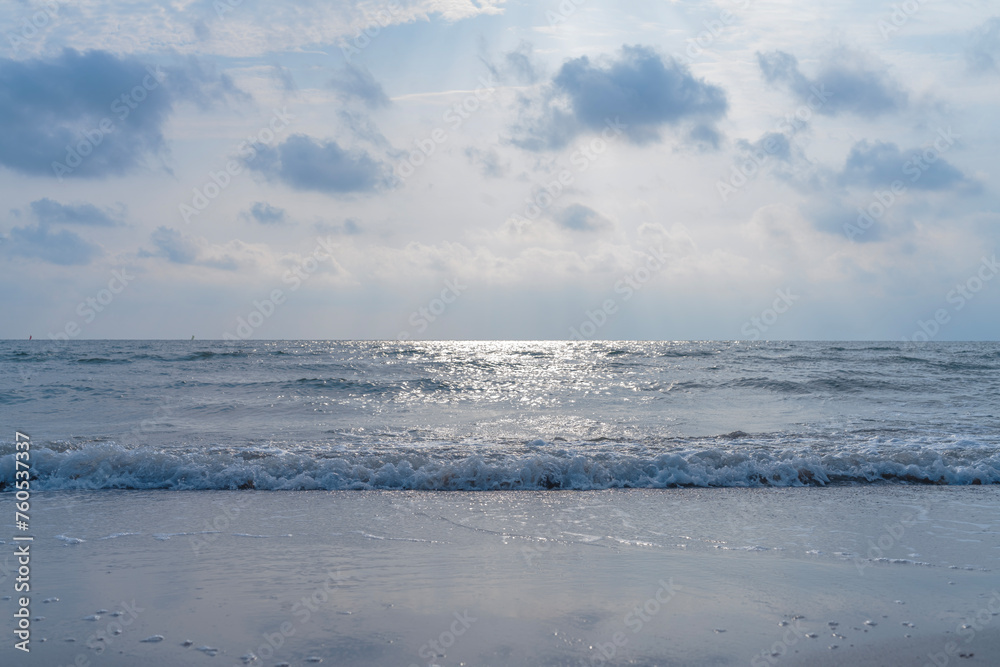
865 576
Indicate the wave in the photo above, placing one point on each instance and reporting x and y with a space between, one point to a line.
209 354
669 354
835 384
112 466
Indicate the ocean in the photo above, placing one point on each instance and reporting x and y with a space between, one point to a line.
487 416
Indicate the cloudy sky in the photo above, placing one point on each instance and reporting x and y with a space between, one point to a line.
499 169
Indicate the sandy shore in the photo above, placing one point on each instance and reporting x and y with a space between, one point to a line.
861 576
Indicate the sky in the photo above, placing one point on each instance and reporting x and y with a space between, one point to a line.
499 169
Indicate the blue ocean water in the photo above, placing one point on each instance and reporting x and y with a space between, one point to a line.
499 415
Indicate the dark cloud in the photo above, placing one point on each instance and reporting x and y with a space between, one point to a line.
844 84
307 164
266 214
487 161
94 113
639 87
878 164
197 81
284 76
580 218
349 227
182 249
774 144
38 241
48 211
521 64
173 245
517 66
846 220
984 52
353 82
360 127
861 201
705 136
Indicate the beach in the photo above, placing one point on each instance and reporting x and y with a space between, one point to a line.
874 575
492 333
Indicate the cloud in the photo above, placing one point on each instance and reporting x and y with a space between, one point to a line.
308 164
846 83
349 227
641 88
48 211
358 83
284 76
266 214
488 161
242 261
774 153
520 63
39 241
775 144
173 245
519 66
984 52
580 218
705 136
840 218
94 113
230 27
178 248
879 164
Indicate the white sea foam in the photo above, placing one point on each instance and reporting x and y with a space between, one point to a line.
163 537
111 466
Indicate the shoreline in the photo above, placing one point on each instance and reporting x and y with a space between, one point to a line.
692 577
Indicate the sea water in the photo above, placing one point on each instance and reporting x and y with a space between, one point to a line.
479 416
